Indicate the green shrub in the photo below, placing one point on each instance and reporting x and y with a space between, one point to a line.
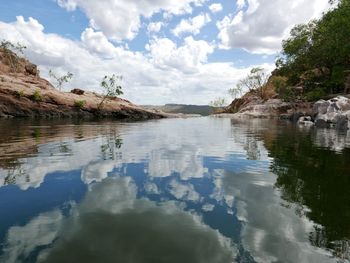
279 82
37 96
315 94
284 91
79 104
19 94
287 94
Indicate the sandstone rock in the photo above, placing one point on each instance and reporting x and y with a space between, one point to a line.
17 88
77 91
31 69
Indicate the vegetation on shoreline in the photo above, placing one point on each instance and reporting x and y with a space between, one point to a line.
60 80
314 62
112 88
316 56
23 93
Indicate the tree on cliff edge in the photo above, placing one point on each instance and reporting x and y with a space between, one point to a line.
254 82
317 54
112 88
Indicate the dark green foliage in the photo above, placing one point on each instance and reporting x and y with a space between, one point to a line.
322 47
315 94
285 91
316 180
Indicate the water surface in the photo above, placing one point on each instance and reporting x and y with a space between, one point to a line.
178 190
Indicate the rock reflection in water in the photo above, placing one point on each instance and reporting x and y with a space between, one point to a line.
216 190
313 172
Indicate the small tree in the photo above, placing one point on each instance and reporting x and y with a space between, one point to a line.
218 103
11 53
255 81
235 92
61 80
111 86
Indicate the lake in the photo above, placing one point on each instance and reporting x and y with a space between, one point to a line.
176 190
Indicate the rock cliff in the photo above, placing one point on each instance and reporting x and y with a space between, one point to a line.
253 106
23 93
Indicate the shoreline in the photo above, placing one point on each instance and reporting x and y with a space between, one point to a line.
331 113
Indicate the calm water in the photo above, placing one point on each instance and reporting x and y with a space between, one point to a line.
182 190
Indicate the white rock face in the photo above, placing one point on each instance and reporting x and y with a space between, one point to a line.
270 108
334 112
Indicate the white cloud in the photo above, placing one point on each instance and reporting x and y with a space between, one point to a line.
262 26
155 26
70 5
187 57
208 207
118 198
166 73
192 25
183 191
97 42
240 4
112 207
21 241
120 19
215 8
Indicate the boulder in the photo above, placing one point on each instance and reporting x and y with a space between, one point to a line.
31 69
334 112
77 91
320 107
306 120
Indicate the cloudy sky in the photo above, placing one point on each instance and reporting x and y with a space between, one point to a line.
168 51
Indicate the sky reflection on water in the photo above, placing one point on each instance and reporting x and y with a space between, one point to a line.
182 190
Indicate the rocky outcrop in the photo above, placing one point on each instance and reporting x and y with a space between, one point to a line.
31 69
249 99
77 91
255 107
332 113
24 94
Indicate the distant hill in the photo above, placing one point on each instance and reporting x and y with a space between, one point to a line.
203 110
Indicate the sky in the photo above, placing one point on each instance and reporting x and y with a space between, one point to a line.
168 51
